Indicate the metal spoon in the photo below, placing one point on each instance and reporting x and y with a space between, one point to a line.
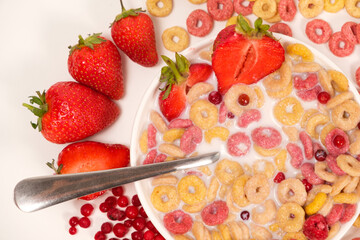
36 193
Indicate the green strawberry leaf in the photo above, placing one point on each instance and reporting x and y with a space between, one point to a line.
51 165
37 111
259 30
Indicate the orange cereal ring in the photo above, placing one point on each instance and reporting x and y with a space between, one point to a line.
213 189
154 9
173 134
257 188
349 164
347 115
198 1
290 217
204 114
311 8
292 190
191 189
333 7
259 97
266 152
341 83
265 8
237 191
279 79
352 8
216 132
313 122
267 215
294 236
165 198
282 93
288 111
227 171
301 50
232 95
169 36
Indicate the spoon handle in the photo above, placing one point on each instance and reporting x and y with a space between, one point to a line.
36 193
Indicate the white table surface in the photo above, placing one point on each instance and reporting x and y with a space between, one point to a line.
33 56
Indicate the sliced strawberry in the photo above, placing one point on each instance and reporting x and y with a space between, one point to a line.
223 35
198 72
174 104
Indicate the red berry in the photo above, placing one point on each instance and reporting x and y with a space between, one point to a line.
135 201
84 222
230 115
123 201
86 209
315 227
244 99
131 212
106 227
128 223
118 191
320 155
74 221
279 177
308 186
116 214
151 226
72 230
139 223
159 237
339 141
100 236
137 235
358 125
245 215
323 97
215 97
104 207
111 201
149 235
115 239
120 230
142 212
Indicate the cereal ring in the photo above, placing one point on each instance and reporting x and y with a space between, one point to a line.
243 8
333 6
304 67
349 212
204 114
282 93
177 222
292 133
294 236
296 155
257 188
238 144
311 8
325 210
216 132
165 198
164 180
301 50
215 235
339 99
230 204
237 191
357 73
266 152
200 231
331 162
238 231
154 9
321 172
340 46
189 140
287 10
182 237
266 137
324 132
276 18
199 23
215 213
279 79
225 231
160 158
315 227
281 28
341 83
348 30
314 27
232 96
291 190
265 8
264 167
158 121
173 134
313 122
309 95
168 39
220 14
180 123
288 111
307 144
315 190
266 215
357 222
290 217
340 184
192 189
172 150
150 157
347 115
259 97
307 170
227 171
325 81
143 142
352 8
305 84
198 90
280 160
213 188
335 214
198 1
316 204
249 116
329 142
349 164
351 187
348 198
151 133
259 232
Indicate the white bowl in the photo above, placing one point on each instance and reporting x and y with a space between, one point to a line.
144 188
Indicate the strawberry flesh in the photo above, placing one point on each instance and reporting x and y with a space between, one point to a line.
174 104
198 72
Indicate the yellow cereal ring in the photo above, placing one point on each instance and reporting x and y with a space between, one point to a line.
154 9
265 216
274 227
204 114
347 115
165 198
349 198
206 170
237 191
232 95
169 35
325 81
316 204
307 114
173 134
213 189
294 236
227 171
260 97
266 152
292 133
276 18
259 232
304 67
335 6
215 235
313 122
257 188
285 219
357 222
280 160
197 1
299 49
192 189
182 237
200 231
324 132
143 142
264 167
194 208
225 231
239 230
281 94
311 8
216 132
288 116
164 180
341 82
349 164
265 8
352 8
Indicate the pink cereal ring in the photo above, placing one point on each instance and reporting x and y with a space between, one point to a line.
349 212
308 145
189 140
266 137
318 31
310 94
281 28
340 46
215 213
178 222
358 33
335 214
218 13
287 10
308 171
238 144
160 158
329 142
243 7
317 146
357 76
252 115
180 123
199 23
150 157
222 113
332 164
151 136
296 155
348 31
305 84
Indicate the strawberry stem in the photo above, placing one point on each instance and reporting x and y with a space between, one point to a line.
126 13
259 30
37 111
90 41
51 165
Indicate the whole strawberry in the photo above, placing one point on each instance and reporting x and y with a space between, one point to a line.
96 62
70 111
133 33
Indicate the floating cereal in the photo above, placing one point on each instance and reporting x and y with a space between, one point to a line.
291 190
310 94
266 137
313 122
347 115
307 144
143 142
296 155
191 189
169 39
198 90
227 171
290 217
216 132
158 121
349 212
215 213
316 204
237 191
204 114
151 133
307 170
189 140
238 144
315 26
180 123
265 216
288 111
335 214
248 117
232 95
165 198
173 134
257 188
332 164
329 142
349 164
305 84
341 83
300 50
178 222
199 23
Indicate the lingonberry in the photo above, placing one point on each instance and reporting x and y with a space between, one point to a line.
120 230
279 177
118 191
104 207
151 226
320 155
123 201
139 223
115 239
86 209
72 230
116 214
142 212
230 115
323 97
131 212
245 215
73 221
159 237
100 236
244 99
111 201
135 200
106 227
137 235
149 235
215 97
84 222
339 141
308 186
358 125
128 223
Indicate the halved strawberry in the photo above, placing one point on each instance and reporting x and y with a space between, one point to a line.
223 35
198 72
247 56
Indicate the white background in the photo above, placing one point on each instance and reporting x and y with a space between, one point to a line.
33 56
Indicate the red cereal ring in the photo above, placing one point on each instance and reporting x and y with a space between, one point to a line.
332 164
243 9
222 113
305 84
287 10
180 123
318 31
348 31
252 115
309 95
329 142
358 33
178 222
238 144
151 136
220 14
150 157
308 171
335 214
266 137
308 145
281 28
357 76
215 213
199 23
189 140
335 44
160 158
349 212
296 155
